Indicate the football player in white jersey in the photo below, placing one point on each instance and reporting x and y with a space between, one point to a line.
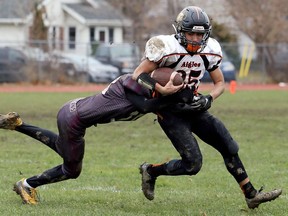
191 51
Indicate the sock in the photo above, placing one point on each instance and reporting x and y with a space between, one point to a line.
52 175
156 170
25 183
248 190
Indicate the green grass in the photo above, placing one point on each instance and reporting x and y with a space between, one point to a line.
110 182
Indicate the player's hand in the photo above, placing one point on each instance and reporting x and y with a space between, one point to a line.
169 88
201 102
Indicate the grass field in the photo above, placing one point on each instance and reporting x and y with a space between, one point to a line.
110 181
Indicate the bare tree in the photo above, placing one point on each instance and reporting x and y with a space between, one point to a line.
38 31
266 23
136 11
262 21
150 17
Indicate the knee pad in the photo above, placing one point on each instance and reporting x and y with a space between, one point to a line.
180 167
193 167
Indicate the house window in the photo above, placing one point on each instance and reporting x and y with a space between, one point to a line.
111 35
102 36
92 34
72 37
53 37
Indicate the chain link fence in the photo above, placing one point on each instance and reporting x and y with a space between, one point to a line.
40 62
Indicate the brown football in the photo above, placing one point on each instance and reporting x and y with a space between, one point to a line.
162 76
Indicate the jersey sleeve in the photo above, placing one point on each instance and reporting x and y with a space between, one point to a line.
215 54
158 47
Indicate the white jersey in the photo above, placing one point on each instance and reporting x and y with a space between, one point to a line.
168 52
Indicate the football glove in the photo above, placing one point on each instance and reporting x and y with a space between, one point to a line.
201 102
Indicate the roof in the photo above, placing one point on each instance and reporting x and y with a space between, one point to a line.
15 10
96 13
89 12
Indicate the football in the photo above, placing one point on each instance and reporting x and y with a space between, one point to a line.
162 76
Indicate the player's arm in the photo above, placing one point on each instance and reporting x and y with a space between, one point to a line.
141 75
219 83
145 105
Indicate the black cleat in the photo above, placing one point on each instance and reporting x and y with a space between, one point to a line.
262 197
148 182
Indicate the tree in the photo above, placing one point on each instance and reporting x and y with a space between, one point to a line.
263 22
38 30
266 24
136 11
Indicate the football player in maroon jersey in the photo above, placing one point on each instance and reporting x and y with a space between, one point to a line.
115 103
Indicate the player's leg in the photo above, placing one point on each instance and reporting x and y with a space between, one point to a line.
12 121
220 138
26 188
70 146
47 137
178 131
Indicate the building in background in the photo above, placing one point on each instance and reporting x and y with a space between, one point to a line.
72 24
15 19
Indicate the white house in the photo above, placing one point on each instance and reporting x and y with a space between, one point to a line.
15 19
78 23
72 24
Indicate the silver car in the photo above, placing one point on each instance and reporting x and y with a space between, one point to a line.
96 71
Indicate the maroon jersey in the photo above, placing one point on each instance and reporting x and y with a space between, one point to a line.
111 104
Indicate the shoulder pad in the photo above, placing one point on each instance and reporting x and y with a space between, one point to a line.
159 46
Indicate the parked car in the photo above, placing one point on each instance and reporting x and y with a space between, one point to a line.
124 56
35 54
95 70
227 68
12 65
